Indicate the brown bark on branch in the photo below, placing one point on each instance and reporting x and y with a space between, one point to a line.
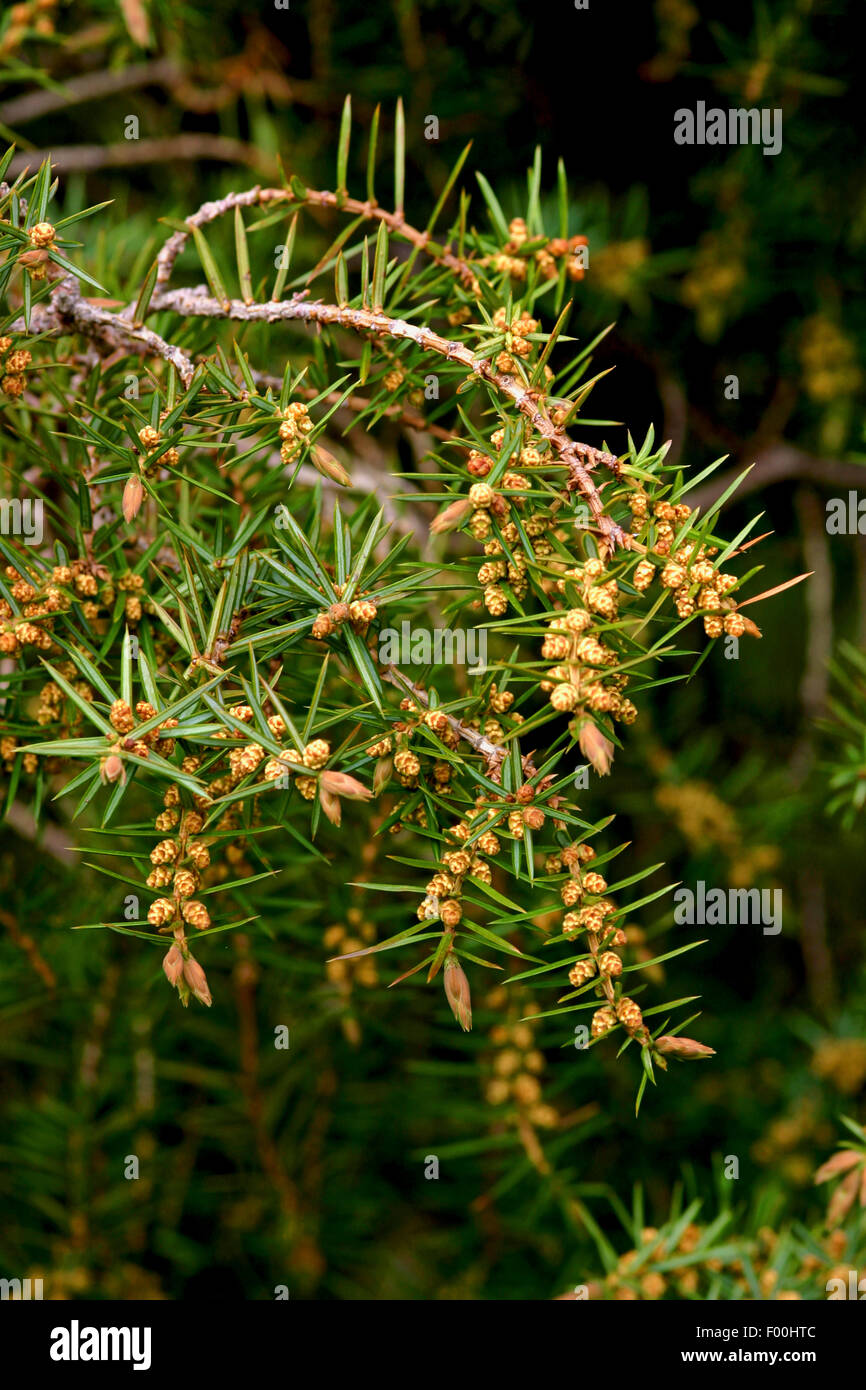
252 197
68 312
493 753
579 458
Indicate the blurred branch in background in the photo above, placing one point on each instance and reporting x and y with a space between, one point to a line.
67 159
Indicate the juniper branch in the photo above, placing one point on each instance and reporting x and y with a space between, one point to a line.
394 221
67 312
197 302
492 753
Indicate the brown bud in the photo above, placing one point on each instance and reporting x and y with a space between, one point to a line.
341 784
197 981
330 804
112 768
843 1199
133 494
325 463
33 259
382 775
839 1163
457 991
595 747
172 964
451 517
687 1048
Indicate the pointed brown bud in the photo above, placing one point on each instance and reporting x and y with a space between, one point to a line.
457 991
133 495
172 964
341 784
34 258
382 774
329 467
838 1164
595 747
843 1199
112 768
751 628
451 517
197 980
330 804
686 1048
